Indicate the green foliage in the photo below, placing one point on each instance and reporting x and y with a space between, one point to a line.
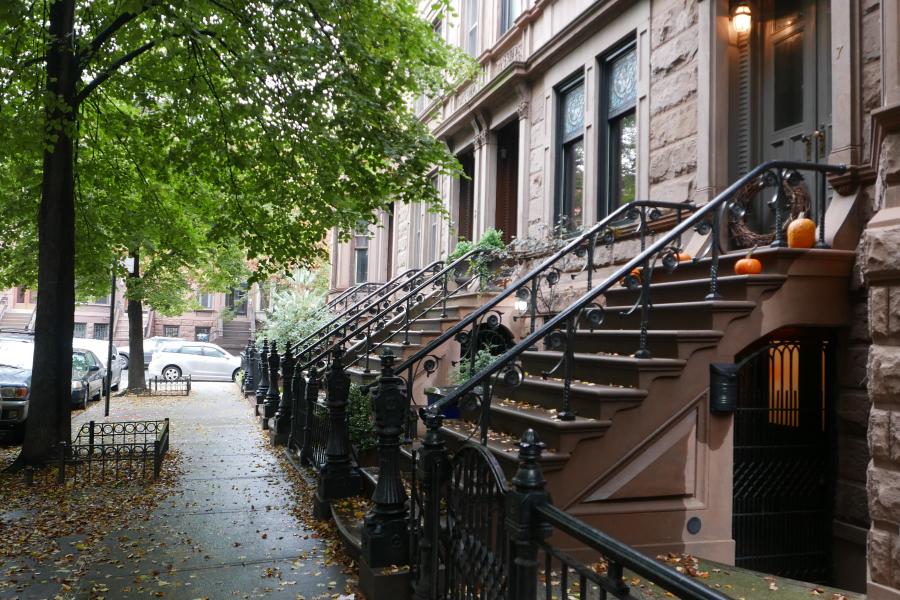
292 315
360 420
463 247
210 131
465 369
481 265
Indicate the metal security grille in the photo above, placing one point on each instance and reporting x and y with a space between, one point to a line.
782 461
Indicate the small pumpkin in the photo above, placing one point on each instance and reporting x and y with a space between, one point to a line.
801 233
684 256
748 265
633 278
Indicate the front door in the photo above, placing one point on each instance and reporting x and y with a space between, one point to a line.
507 180
782 490
787 104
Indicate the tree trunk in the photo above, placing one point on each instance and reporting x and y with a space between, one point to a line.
136 379
49 411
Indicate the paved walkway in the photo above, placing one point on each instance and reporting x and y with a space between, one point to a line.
235 525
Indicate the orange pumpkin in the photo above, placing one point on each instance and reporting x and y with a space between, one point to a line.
748 265
801 233
636 273
684 257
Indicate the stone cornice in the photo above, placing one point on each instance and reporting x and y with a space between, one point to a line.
884 121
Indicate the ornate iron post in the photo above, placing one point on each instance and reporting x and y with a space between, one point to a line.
309 402
272 395
281 425
338 478
263 385
385 539
523 529
298 411
249 368
433 471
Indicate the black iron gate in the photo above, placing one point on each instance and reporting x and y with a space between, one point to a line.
782 461
470 547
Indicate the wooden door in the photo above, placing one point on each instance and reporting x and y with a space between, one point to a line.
507 213
466 199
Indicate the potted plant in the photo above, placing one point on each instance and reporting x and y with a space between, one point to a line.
460 374
463 247
485 266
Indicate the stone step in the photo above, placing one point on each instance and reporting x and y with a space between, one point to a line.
604 369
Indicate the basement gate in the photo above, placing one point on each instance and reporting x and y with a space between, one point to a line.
782 461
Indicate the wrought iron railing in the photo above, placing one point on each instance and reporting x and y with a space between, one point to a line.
160 386
111 452
558 331
402 312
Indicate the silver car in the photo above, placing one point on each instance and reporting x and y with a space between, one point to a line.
200 360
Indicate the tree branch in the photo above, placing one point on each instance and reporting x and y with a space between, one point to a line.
101 38
111 70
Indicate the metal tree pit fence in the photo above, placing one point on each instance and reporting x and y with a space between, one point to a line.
180 386
114 451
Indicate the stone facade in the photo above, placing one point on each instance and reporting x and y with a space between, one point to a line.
687 59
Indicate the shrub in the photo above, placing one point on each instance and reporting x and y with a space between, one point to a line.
465 369
360 419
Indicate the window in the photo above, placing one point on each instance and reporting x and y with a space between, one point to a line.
80 330
570 150
361 252
205 300
101 331
170 330
471 30
201 334
619 130
509 10
195 350
102 300
213 352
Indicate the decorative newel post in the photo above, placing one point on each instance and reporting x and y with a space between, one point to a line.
249 367
263 386
280 426
309 405
272 395
432 471
385 538
338 478
521 525
298 410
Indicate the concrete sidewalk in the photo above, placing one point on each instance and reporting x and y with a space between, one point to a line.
235 525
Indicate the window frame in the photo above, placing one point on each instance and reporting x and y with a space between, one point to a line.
560 144
82 327
608 148
361 234
168 328
507 19
470 28
197 330
102 326
209 296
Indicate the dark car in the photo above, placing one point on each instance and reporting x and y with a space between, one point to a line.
16 355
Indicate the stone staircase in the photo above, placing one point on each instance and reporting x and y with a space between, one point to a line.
638 461
15 319
235 334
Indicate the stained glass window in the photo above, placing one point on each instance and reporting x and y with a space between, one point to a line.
573 111
623 81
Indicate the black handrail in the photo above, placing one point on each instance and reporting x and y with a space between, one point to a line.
359 307
625 556
536 272
445 272
643 260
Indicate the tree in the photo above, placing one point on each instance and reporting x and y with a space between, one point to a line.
293 116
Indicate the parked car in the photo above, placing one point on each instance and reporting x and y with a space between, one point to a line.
16 356
100 348
200 360
88 377
152 344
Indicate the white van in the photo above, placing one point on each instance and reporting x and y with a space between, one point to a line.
100 348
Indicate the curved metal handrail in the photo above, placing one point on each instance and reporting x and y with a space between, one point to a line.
360 307
589 237
405 300
643 260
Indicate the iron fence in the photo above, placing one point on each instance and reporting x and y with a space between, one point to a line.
180 386
125 450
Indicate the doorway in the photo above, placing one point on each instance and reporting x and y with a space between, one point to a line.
782 87
783 484
466 200
507 213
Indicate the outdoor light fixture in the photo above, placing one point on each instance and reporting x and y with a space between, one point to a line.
521 306
742 18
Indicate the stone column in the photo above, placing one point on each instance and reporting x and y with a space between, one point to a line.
881 268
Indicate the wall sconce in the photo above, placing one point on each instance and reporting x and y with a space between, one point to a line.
521 306
742 18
